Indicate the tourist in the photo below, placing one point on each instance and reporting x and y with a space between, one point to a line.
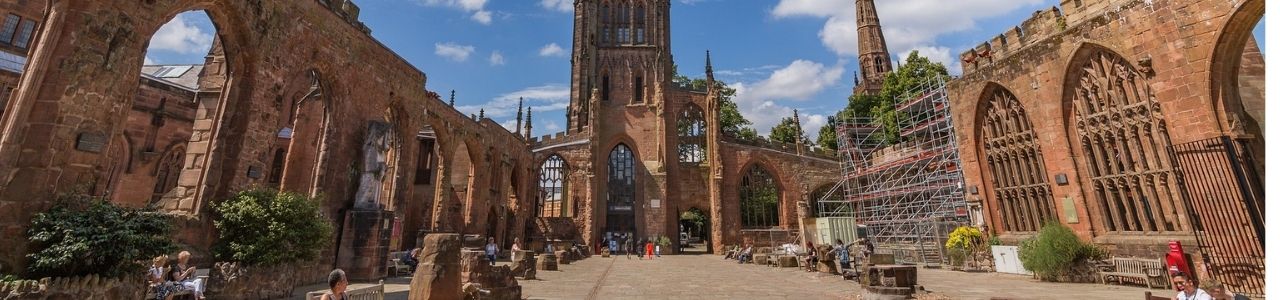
185 274
648 249
411 258
1219 291
745 254
640 249
613 246
811 262
162 283
1187 288
626 248
550 248
731 252
491 252
337 286
842 252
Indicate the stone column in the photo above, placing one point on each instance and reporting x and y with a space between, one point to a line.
439 274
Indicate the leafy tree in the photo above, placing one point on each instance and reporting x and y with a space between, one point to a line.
82 235
787 131
268 227
732 123
827 135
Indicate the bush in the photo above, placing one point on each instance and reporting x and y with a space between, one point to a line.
268 227
961 243
1054 250
82 235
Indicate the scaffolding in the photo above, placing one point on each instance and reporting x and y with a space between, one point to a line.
903 182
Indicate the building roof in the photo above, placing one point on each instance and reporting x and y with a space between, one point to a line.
185 76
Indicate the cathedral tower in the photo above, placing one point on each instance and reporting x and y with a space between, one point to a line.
873 55
623 48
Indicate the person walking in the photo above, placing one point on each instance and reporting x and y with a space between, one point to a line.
626 248
613 246
648 249
842 252
491 252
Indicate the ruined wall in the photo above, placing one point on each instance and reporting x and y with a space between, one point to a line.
152 133
797 177
81 81
1174 44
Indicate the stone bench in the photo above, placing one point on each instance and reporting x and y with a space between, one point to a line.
547 262
788 261
760 259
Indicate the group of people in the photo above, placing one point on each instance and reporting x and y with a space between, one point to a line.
168 278
1212 289
647 249
839 250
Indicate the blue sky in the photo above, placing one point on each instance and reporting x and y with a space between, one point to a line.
779 54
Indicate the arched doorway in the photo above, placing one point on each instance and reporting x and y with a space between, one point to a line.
460 178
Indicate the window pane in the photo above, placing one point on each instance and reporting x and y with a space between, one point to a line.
24 35
10 26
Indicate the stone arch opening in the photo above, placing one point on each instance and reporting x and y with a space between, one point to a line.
692 129
621 193
760 198
553 188
1011 158
461 180
1237 80
305 134
1116 127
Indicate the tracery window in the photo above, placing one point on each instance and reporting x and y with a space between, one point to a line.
692 130
167 173
1015 165
605 22
638 88
624 25
1123 139
622 180
759 195
552 184
640 21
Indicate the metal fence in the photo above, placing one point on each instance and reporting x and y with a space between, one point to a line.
1224 194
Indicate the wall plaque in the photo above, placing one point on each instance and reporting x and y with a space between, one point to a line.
91 142
1069 209
655 203
254 172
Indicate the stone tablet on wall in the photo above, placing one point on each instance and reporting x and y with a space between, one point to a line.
91 142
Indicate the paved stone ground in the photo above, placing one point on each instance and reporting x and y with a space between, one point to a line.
709 277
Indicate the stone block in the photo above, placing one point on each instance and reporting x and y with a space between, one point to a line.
760 259
524 264
788 261
828 266
547 262
564 257
439 274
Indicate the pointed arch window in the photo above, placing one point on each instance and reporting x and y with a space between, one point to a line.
606 20
552 184
622 180
167 173
692 129
277 167
624 25
759 196
1124 142
1015 165
640 23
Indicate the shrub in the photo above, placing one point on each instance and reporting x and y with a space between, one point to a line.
1052 251
961 243
82 235
268 227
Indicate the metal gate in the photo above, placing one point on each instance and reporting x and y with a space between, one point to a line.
1224 194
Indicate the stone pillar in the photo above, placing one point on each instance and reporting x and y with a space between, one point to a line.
439 274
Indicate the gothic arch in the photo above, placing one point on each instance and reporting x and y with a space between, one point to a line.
691 129
1238 113
623 189
553 187
1010 156
760 197
310 120
1117 128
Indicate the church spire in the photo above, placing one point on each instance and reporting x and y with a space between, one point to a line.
451 94
528 123
873 55
519 114
709 69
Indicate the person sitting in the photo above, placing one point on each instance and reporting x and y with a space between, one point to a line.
411 258
161 281
337 286
1187 289
731 252
185 274
746 254
811 262
1217 290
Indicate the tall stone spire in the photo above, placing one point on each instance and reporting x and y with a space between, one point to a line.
528 123
873 55
519 114
451 94
710 72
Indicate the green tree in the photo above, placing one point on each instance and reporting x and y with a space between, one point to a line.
268 227
787 131
827 138
82 235
732 123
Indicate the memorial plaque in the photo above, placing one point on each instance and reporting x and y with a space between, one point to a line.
1069 209
91 142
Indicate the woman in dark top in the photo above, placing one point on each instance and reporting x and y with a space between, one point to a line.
337 286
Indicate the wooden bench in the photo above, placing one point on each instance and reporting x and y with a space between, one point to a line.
201 274
376 292
1148 296
1149 271
396 265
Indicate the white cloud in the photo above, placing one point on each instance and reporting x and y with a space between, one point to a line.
146 60
182 36
907 24
759 101
510 125
473 7
454 51
551 49
558 5
548 127
542 98
483 17
496 59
